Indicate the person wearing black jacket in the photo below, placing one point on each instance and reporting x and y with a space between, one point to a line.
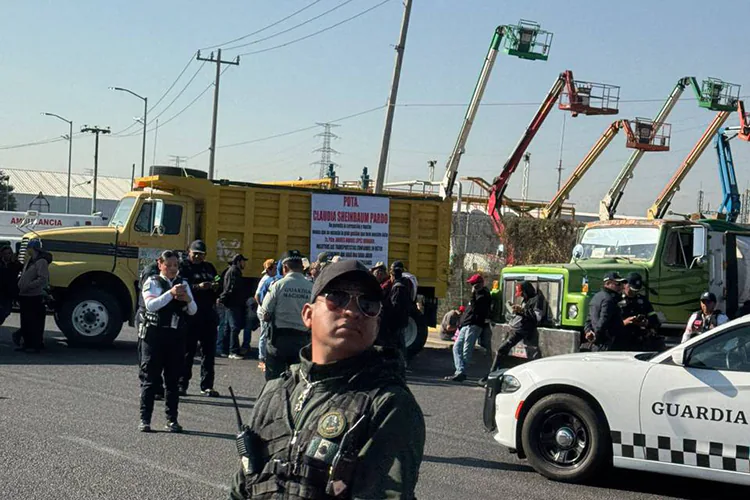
234 297
397 304
472 322
604 323
201 277
9 270
527 316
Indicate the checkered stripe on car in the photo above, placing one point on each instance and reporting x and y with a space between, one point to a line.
708 454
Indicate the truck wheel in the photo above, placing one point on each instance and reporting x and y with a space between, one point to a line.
90 317
564 439
415 334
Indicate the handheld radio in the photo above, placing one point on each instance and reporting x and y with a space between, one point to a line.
244 439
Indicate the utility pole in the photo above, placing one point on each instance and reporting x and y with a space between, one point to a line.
218 62
700 201
178 160
96 131
326 151
559 161
391 106
132 176
526 172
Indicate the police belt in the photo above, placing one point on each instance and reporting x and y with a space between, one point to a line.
286 470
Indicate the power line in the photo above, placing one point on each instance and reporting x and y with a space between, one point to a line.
291 132
296 40
303 23
262 29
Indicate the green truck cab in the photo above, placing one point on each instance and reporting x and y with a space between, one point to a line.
678 260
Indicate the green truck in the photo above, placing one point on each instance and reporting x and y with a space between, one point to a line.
678 259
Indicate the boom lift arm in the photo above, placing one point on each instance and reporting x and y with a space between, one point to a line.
554 207
525 40
578 99
731 201
659 209
714 94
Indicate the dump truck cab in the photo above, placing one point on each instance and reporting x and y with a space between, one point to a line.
677 259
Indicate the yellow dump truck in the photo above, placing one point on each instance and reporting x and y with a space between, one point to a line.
94 275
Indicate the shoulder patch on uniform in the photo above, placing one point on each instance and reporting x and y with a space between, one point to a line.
332 424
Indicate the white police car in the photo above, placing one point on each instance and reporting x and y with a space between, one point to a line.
684 412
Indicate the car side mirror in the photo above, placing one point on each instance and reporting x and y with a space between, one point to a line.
678 357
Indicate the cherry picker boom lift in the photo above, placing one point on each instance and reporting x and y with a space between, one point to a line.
525 40
731 200
659 209
714 94
643 143
575 96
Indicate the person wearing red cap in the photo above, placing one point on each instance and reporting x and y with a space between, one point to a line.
472 323
451 322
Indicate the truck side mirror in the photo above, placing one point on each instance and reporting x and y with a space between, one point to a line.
158 217
577 251
699 242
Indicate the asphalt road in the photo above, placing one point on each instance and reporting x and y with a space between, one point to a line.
68 422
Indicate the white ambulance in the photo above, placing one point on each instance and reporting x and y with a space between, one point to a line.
13 225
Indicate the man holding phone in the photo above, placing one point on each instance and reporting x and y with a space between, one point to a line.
200 276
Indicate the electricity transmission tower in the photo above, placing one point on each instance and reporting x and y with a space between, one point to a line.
326 151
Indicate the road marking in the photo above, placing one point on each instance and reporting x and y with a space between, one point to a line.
144 461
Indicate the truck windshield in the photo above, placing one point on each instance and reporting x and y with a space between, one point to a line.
626 242
122 212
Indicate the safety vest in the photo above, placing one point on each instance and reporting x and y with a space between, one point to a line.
701 325
312 452
170 317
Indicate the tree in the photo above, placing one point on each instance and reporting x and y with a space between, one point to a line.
7 200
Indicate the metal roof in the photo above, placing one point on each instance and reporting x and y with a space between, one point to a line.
55 184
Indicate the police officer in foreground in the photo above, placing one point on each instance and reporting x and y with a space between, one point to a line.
604 323
168 301
342 423
639 318
201 277
706 319
151 269
282 308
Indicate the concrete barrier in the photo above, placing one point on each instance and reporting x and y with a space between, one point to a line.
552 341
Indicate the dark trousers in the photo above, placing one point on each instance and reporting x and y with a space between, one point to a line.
283 350
162 349
516 336
236 320
33 317
201 328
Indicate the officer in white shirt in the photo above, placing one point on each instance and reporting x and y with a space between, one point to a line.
168 302
706 319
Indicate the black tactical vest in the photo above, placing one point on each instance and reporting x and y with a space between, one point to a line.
701 325
310 453
164 317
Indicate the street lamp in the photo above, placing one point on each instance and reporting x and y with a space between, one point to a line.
70 154
145 121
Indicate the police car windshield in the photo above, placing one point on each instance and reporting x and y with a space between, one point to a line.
122 212
632 243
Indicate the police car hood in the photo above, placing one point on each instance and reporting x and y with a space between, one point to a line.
591 357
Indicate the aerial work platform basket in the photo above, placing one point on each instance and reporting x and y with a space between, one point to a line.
590 98
527 40
643 134
718 95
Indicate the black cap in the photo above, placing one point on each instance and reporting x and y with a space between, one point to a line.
198 246
238 258
397 265
352 269
614 276
635 281
291 255
708 297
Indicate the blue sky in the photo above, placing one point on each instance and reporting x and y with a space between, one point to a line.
61 57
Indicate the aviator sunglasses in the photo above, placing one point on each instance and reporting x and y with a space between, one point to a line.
338 299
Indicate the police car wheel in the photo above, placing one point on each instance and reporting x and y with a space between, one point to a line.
565 439
415 334
90 317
